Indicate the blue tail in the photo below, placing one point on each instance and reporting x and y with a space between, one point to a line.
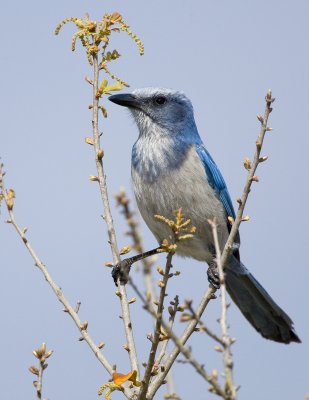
257 305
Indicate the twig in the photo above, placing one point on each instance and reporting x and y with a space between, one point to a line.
39 382
179 345
250 178
108 217
82 326
42 356
157 330
180 348
170 325
203 327
123 201
230 390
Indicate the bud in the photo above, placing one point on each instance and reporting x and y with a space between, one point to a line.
49 353
160 270
247 164
109 264
125 250
84 326
100 154
185 318
214 374
126 347
260 118
255 178
34 370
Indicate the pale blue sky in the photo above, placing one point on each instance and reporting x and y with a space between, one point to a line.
224 55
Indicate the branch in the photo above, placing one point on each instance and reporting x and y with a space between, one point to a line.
42 356
172 312
180 348
8 197
157 331
203 327
108 216
179 345
226 341
123 201
250 178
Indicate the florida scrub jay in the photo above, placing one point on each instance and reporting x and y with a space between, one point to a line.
171 168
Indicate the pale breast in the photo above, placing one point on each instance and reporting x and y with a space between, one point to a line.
186 187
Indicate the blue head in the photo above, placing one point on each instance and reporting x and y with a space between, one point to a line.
161 112
167 129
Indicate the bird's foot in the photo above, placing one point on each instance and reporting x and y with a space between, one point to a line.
121 271
213 276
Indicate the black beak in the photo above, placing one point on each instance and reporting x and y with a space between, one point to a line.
126 100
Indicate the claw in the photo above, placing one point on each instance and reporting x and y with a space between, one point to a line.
213 276
121 271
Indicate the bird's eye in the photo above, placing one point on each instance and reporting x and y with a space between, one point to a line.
160 100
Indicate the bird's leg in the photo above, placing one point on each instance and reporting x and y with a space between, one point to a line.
213 275
122 269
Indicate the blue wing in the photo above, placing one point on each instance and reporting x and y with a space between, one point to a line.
215 179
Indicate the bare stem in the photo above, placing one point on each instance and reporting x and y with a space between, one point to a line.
108 218
157 330
203 327
39 383
250 178
170 325
230 389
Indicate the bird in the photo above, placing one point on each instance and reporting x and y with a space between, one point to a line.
171 169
